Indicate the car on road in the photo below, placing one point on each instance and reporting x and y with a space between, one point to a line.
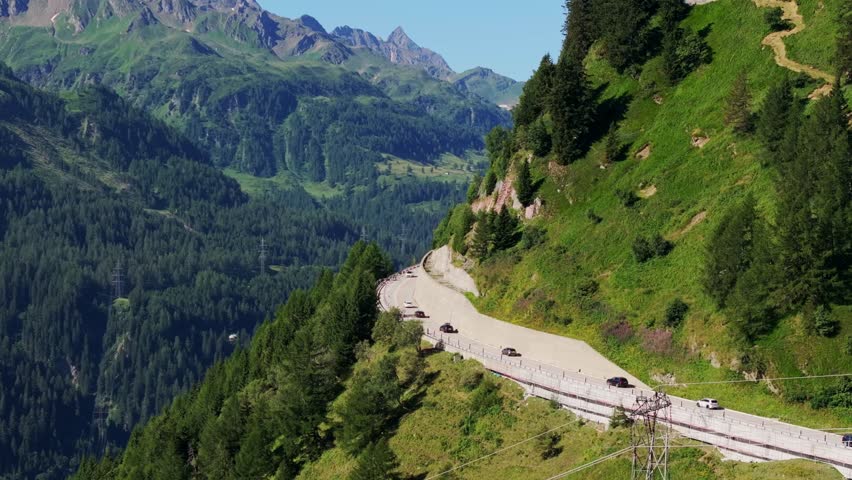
847 440
619 382
410 275
408 304
708 403
420 314
510 352
448 328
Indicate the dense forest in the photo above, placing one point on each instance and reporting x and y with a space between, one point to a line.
127 260
272 408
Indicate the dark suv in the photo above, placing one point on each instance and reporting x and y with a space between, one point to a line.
619 382
847 440
420 314
510 352
447 328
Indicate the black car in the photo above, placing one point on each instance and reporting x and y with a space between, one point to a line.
619 382
420 314
447 328
847 440
510 352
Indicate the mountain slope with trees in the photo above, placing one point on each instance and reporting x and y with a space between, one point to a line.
128 260
697 205
331 389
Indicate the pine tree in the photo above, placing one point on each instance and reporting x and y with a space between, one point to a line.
624 28
536 94
523 184
738 110
473 189
538 139
775 115
612 145
376 462
490 181
671 13
729 251
580 29
815 207
481 243
505 231
572 111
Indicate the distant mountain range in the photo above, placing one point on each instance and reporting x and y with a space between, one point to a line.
247 22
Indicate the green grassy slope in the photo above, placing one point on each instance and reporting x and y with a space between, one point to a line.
694 187
432 439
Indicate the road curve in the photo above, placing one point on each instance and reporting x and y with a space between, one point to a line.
571 372
444 304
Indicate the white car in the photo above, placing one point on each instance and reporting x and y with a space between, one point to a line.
408 304
708 403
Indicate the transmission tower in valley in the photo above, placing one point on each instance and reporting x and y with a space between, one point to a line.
651 416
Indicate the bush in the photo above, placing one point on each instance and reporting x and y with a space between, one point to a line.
620 419
657 341
620 331
532 236
593 217
775 18
675 313
645 249
627 197
824 321
549 445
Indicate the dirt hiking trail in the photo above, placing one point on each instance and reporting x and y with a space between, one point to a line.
775 40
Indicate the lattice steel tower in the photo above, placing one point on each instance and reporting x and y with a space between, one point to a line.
650 453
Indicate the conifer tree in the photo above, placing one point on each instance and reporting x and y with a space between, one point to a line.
524 184
473 189
581 29
815 207
536 94
729 251
774 117
738 110
572 111
538 139
612 145
482 234
671 13
490 181
624 28
505 232
376 462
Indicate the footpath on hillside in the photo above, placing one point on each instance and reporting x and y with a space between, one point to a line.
775 40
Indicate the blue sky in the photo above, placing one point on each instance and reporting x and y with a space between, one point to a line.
507 36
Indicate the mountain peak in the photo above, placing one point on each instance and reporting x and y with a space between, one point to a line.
312 23
399 38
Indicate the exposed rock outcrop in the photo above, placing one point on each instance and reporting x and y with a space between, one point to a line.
399 48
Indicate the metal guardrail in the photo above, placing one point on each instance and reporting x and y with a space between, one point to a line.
510 368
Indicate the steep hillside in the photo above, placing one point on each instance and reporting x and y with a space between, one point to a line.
327 391
127 260
680 223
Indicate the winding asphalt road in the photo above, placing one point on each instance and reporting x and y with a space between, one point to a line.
574 360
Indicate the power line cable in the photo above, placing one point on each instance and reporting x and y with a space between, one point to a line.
590 464
777 379
498 451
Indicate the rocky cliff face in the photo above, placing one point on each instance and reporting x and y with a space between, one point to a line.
399 48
